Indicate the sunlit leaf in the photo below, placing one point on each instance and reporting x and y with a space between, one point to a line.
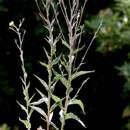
22 107
77 74
56 60
54 106
40 101
30 113
42 82
43 64
26 123
48 57
40 111
61 78
58 102
75 117
53 86
54 125
31 98
56 98
44 97
65 43
77 102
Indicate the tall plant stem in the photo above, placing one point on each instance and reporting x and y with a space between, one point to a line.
70 61
25 83
49 95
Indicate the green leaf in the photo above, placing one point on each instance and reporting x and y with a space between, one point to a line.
65 43
22 107
58 102
44 97
56 39
40 111
78 49
77 74
65 65
43 64
30 113
47 55
26 123
54 125
53 107
53 86
56 98
77 102
75 117
61 78
56 60
42 100
30 99
42 82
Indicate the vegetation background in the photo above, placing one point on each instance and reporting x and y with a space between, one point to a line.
106 95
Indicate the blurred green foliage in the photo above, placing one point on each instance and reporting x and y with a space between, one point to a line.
114 35
115 31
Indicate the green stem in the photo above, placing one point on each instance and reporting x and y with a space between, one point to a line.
67 91
50 78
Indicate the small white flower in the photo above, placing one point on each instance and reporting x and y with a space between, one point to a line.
125 19
11 24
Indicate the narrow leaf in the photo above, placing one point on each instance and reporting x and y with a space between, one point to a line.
61 78
54 126
65 43
58 102
30 113
56 39
42 82
56 60
28 85
53 107
40 101
78 49
31 98
26 123
43 64
56 98
75 117
44 97
22 107
77 102
40 111
53 86
48 57
77 74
